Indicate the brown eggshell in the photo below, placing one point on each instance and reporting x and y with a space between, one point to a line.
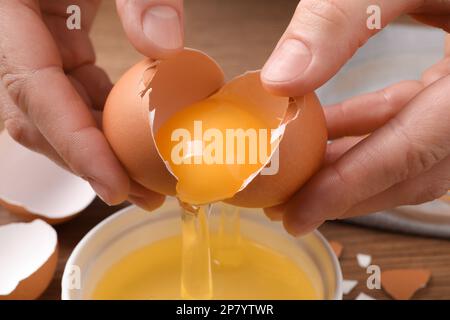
180 81
29 284
402 284
247 90
301 153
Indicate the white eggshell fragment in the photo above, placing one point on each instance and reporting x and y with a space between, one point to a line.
348 286
32 186
363 296
28 255
364 260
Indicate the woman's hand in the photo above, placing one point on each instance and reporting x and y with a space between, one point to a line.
52 93
406 157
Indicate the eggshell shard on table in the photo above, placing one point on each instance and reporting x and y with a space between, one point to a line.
348 285
28 255
149 93
32 186
402 284
303 138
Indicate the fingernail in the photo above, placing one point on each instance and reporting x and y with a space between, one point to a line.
162 25
287 62
275 218
101 191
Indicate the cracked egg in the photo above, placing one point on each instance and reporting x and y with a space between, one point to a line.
179 129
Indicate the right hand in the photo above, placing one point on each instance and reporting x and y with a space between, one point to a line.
405 158
154 27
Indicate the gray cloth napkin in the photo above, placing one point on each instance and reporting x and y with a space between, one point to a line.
399 52
391 221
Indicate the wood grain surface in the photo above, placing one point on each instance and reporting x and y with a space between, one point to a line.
240 35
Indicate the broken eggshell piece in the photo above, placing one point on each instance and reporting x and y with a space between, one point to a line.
28 255
149 93
402 284
32 186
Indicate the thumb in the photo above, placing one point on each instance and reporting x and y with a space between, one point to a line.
154 27
320 38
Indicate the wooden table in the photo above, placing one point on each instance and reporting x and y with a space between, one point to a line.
240 34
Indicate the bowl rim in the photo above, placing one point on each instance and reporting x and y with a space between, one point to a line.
87 238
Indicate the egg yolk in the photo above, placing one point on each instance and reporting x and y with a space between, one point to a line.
212 147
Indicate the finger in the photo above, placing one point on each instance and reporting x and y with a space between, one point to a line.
321 37
98 117
334 151
428 186
439 20
58 8
145 203
154 27
411 143
338 147
23 131
32 71
440 69
74 45
81 90
26 134
76 48
274 213
67 123
363 114
144 198
96 83
436 72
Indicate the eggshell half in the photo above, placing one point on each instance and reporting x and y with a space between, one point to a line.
28 255
33 187
150 92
